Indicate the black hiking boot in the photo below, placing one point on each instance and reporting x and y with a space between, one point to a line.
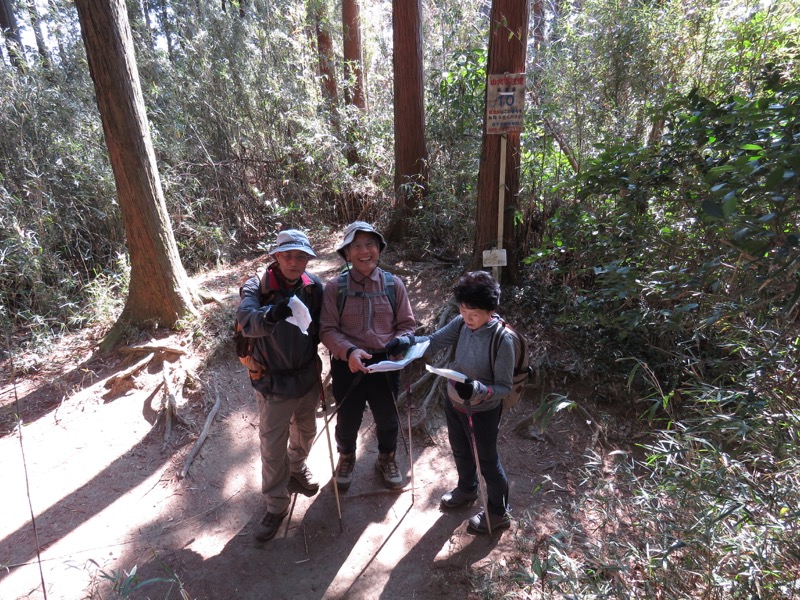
478 524
457 498
269 525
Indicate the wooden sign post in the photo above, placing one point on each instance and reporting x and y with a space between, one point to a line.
505 112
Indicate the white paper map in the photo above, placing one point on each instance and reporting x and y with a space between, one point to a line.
413 353
300 315
448 373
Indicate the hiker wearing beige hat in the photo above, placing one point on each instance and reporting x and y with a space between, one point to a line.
279 320
366 318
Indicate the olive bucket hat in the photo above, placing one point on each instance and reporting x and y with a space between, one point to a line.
350 233
292 239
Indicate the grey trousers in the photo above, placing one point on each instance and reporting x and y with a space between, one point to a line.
286 430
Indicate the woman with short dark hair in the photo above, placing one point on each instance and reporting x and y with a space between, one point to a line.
480 396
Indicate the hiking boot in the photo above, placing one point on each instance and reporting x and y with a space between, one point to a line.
477 524
457 498
269 525
344 471
306 480
387 466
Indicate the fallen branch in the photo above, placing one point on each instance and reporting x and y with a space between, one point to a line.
152 348
170 405
597 429
397 269
207 297
422 415
444 316
203 435
129 371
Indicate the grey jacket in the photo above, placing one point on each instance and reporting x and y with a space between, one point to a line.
472 358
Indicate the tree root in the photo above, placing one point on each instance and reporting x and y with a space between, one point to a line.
153 348
169 405
203 434
431 386
118 377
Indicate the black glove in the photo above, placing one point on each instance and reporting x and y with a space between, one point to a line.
399 345
279 311
464 390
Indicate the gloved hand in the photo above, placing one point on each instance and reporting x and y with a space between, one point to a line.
470 389
399 345
279 311
465 389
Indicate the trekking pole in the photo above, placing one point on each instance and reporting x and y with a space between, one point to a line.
330 452
397 412
410 456
329 418
481 482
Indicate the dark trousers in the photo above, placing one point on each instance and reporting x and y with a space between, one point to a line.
487 426
353 392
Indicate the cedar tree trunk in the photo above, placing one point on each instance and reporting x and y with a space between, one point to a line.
410 151
159 293
508 36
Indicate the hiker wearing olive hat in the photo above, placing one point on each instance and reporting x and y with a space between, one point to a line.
283 366
366 318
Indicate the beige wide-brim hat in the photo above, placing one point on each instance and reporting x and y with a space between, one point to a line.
292 239
350 233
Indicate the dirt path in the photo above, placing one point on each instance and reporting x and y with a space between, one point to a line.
104 490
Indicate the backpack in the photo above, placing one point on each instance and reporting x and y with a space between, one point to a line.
522 368
344 291
245 345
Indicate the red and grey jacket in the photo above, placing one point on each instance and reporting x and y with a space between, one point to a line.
288 356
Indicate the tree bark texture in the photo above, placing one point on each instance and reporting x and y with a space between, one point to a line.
8 24
410 150
325 56
159 291
36 25
508 37
539 23
353 59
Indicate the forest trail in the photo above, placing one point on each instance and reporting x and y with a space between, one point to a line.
104 488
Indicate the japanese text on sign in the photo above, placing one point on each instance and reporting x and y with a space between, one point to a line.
505 103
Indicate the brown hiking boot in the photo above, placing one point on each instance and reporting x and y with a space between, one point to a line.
387 466
344 471
306 480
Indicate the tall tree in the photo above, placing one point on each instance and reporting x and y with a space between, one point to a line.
539 23
159 291
8 25
410 151
325 57
353 59
166 28
38 34
56 29
508 38
354 92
